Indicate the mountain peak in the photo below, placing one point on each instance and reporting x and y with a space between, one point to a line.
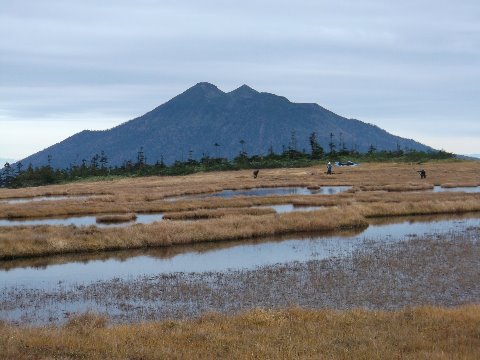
205 88
244 91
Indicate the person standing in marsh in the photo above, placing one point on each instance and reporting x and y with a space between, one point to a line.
329 168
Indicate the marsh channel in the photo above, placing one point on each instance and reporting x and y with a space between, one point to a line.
370 268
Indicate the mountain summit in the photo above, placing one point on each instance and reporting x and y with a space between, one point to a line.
192 122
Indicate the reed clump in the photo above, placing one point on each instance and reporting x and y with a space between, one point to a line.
397 187
460 184
424 332
115 218
216 213
429 207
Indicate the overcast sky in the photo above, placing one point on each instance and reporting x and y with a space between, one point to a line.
411 67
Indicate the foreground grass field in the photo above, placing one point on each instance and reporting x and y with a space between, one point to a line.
422 333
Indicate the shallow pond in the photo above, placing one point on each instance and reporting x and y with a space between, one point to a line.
472 189
219 257
81 221
44 198
324 190
288 208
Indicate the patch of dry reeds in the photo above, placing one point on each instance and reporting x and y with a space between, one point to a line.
115 218
424 332
216 213
397 187
429 207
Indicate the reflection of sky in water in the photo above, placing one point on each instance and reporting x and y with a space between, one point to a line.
288 208
241 256
473 189
81 221
324 190
43 198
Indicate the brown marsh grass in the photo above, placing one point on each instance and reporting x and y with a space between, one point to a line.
216 213
418 333
404 208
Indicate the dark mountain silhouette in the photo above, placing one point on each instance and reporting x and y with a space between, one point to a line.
192 122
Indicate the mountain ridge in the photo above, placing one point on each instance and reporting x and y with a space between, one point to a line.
191 123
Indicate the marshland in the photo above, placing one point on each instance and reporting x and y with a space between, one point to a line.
368 249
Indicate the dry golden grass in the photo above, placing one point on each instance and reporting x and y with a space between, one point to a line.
216 213
397 187
420 333
384 209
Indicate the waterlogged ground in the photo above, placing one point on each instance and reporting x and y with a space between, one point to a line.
388 266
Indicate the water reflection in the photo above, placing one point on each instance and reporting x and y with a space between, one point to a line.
44 198
81 221
288 208
472 189
216 257
324 190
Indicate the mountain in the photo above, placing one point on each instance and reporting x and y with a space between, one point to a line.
203 115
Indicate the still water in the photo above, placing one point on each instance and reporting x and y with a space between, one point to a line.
215 257
81 221
324 190
472 189
44 198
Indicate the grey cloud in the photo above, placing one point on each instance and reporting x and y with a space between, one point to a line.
369 59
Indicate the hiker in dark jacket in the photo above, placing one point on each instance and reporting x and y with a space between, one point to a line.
329 168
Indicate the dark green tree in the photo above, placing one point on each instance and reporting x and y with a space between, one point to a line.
331 144
316 149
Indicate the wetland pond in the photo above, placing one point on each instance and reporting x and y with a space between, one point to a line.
179 281
323 190
141 218
81 221
44 198
466 189
47 273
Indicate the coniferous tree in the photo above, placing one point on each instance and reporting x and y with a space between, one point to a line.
331 144
316 149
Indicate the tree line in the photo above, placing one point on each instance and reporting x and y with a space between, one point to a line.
98 166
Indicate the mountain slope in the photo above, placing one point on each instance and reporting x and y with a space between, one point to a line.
204 115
